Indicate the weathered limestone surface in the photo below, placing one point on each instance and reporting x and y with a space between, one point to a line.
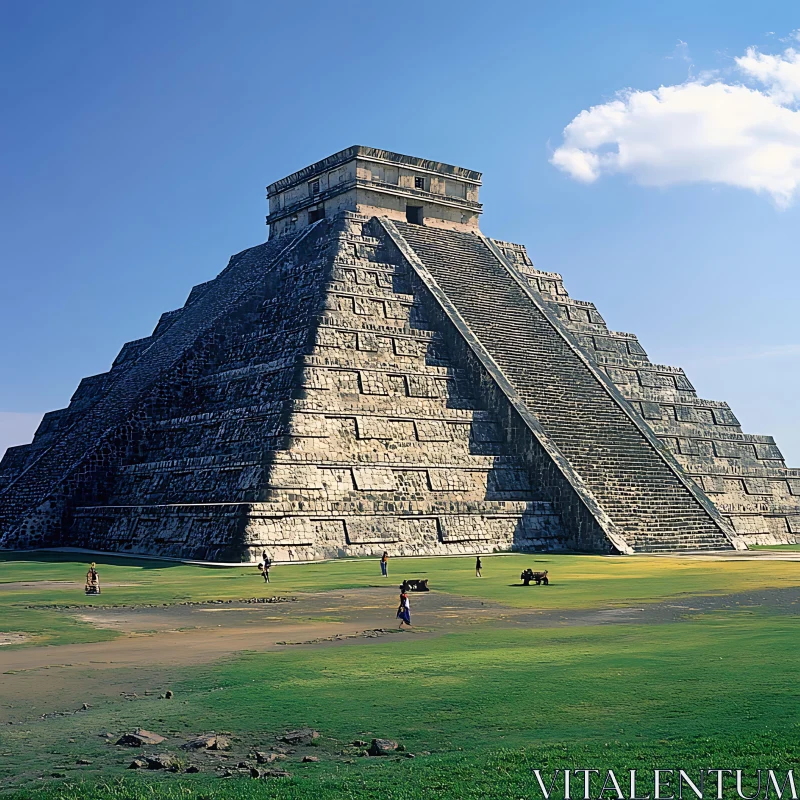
372 182
386 447
120 461
614 466
360 384
327 420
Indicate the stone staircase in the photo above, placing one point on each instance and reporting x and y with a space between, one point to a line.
634 484
744 475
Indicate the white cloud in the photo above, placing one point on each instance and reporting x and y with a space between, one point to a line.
779 74
17 428
701 131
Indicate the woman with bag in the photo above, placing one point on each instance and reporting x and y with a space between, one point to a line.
404 610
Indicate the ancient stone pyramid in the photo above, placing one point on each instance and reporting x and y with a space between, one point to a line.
381 375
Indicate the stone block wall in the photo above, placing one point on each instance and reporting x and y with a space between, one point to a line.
320 415
387 447
314 401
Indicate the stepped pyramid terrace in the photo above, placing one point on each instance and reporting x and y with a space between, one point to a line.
381 375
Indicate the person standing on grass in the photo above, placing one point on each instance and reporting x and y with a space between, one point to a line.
385 564
267 565
92 580
404 610
478 566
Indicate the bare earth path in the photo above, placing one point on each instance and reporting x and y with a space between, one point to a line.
38 680
156 641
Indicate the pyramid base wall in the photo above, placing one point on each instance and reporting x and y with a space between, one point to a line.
768 539
239 533
299 538
205 533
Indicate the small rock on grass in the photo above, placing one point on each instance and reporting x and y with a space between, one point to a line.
193 769
84 762
310 759
138 763
268 758
161 761
300 736
269 773
221 743
275 773
208 741
139 738
382 747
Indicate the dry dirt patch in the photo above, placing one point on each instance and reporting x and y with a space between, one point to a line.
12 638
171 618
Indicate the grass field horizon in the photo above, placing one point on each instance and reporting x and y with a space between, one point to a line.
479 704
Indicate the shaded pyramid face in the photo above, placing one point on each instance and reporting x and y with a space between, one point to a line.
360 384
161 454
323 417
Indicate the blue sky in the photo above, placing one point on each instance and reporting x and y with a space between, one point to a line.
138 138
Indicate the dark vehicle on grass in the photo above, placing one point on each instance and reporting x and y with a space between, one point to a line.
538 577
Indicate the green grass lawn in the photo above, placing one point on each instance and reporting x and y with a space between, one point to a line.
577 582
486 705
479 708
788 547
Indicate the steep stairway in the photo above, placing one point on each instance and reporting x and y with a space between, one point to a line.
637 488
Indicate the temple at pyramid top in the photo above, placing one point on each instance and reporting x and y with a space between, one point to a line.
376 183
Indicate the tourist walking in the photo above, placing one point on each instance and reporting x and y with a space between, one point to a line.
478 566
385 564
404 609
267 565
